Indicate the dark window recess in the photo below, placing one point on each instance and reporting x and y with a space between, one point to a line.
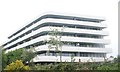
79 54
36 44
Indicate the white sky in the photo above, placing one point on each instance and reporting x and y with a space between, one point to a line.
16 13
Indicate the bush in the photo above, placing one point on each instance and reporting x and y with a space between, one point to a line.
12 56
18 54
17 65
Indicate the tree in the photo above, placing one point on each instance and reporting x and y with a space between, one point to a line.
28 55
18 54
55 41
1 58
17 65
9 57
72 58
4 60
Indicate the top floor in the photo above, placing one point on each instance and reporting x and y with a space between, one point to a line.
60 16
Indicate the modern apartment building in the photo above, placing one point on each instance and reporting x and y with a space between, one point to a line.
82 38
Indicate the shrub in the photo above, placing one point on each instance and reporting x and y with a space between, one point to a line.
17 65
18 54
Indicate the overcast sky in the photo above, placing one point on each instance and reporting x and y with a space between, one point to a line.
15 14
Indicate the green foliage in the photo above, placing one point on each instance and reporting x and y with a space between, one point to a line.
64 66
19 54
108 66
70 66
9 57
55 42
27 55
4 60
104 68
17 65
14 55
42 67
1 58
72 58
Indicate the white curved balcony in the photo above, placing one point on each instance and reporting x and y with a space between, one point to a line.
75 49
66 59
74 22
72 30
76 30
